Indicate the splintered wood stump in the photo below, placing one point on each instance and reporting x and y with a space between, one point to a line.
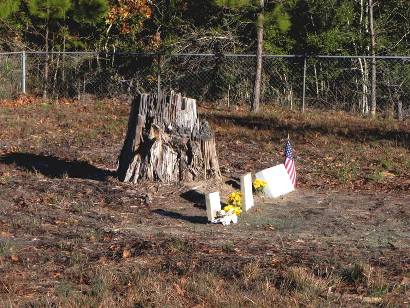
166 142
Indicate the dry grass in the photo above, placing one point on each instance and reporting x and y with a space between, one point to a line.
299 279
334 149
71 235
137 286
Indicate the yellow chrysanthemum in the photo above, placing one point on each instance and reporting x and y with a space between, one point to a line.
259 185
235 198
228 207
234 209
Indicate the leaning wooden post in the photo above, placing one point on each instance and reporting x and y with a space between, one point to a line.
166 142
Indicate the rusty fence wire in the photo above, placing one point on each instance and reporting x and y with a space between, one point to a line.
341 83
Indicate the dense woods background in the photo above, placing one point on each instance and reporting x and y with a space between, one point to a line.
294 26
220 27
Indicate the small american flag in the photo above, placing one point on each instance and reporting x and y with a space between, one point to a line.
289 163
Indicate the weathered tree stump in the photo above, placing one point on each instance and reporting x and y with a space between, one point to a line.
166 142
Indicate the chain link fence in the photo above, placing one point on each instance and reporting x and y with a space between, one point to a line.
10 75
296 82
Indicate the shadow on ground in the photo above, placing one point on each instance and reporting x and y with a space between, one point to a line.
55 167
402 138
195 197
191 219
234 182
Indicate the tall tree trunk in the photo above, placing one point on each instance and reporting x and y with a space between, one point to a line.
361 13
56 76
373 51
363 104
364 99
259 52
399 109
46 64
316 80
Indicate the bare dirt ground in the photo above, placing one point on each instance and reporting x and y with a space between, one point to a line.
72 235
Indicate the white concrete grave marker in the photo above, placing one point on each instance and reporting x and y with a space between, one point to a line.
278 181
246 190
213 204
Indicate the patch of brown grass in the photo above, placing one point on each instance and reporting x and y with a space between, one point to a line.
89 243
301 280
331 149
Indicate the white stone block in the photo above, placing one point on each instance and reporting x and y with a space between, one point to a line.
246 190
278 181
213 204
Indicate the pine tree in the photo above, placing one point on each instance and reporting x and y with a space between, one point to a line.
283 22
48 11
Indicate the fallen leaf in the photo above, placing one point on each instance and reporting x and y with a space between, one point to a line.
387 174
405 281
14 258
5 234
126 253
178 289
372 300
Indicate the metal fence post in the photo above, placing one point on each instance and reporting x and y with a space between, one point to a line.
23 72
304 83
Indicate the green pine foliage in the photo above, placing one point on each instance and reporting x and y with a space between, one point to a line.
8 8
49 9
281 17
277 25
331 28
90 11
234 3
221 26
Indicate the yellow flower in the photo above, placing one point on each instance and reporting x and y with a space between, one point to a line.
235 198
229 207
259 185
234 209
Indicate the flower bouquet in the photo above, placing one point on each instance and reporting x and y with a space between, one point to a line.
231 211
259 185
